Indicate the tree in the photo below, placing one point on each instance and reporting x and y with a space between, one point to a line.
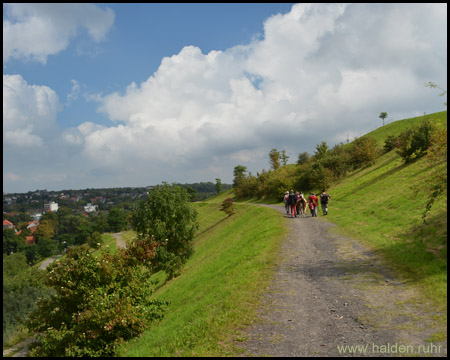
274 159
383 116
303 158
98 303
46 247
284 157
321 150
239 175
46 229
117 220
165 225
218 185
11 242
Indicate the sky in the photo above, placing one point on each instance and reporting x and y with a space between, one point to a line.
128 95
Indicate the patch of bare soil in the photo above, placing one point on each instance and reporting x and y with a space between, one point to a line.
331 296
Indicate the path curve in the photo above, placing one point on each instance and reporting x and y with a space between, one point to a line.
120 242
331 291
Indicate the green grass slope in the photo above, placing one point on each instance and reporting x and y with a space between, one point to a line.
219 288
383 205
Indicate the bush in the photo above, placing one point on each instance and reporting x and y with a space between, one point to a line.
414 143
228 206
99 302
364 151
390 143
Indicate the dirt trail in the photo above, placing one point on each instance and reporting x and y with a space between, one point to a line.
120 242
330 292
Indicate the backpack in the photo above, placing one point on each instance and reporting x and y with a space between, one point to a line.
324 198
292 199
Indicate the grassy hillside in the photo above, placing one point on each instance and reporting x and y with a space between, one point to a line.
219 287
382 205
396 127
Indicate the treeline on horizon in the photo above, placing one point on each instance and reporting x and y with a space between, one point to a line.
200 187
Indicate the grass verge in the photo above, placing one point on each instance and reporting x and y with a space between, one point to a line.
379 206
219 289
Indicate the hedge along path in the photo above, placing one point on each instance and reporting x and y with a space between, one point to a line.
330 292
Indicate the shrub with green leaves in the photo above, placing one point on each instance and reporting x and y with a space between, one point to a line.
390 143
414 143
364 151
228 206
99 302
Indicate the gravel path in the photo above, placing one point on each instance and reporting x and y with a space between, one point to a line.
330 292
120 242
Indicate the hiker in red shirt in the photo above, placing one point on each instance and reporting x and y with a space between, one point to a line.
313 204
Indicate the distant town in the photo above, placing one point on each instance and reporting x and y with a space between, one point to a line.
31 206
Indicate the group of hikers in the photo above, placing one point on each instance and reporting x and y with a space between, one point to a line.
295 203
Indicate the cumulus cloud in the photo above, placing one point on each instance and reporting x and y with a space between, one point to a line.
29 112
35 31
322 72
318 69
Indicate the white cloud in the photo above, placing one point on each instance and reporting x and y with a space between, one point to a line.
29 112
322 72
319 68
74 92
35 31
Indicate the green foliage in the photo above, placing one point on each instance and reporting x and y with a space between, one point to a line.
117 220
284 157
11 242
274 156
239 175
364 151
99 302
45 247
436 160
166 221
383 116
321 150
95 240
22 287
413 143
218 185
303 158
390 143
83 233
228 206
321 176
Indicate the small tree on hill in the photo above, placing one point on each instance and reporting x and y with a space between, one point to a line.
383 116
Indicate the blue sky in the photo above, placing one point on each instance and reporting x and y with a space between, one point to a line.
113 95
